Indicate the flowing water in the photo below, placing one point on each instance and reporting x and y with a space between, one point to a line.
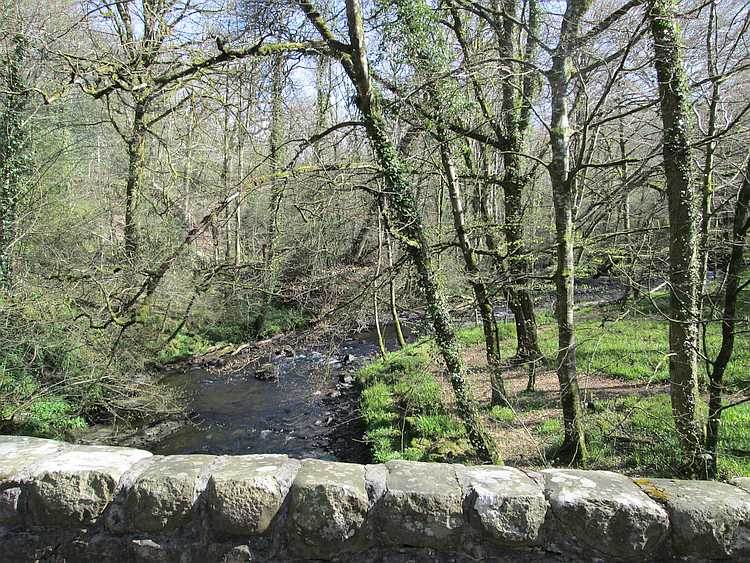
311 411
306 413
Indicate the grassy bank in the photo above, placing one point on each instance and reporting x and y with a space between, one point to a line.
623 371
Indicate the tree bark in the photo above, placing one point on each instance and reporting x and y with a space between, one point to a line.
707 195
574 444
516 121
270 262
734 284
392 292
684 221
407 223
481 295
376 307
136 146
14 157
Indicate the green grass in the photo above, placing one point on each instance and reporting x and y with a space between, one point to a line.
402 406
637 350
403 410
503 414
639 434
550 427
475 335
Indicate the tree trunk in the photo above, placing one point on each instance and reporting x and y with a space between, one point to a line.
270 262
136 164
516 122
392 291
376 308
574 445
14 157
630 284
481 295
684 220
708 167
407 224
734 284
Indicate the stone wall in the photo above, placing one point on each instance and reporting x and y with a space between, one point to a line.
60 502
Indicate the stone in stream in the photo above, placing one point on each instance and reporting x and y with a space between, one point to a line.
267 372
161 497
77 484
245 493
605 512
328 506
509 506
709 519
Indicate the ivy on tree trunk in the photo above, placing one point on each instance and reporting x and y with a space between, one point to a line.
684 224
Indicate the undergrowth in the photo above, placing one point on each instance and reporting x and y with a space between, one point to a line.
403 410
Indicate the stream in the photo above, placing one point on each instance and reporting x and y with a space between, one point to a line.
310 411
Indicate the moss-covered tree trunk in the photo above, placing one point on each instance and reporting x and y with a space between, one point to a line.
684 223
275 156
405 219
14 156
136 147
574 444
518 89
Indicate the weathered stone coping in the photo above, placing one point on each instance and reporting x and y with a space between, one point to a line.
62 502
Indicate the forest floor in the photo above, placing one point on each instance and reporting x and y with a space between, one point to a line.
623 376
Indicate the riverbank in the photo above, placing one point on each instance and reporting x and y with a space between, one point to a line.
294 394
408 409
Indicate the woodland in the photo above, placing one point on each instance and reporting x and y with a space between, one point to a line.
545 203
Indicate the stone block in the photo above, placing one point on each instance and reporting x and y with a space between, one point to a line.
18 452
709 520
605 513
422 505
328 506
743 483
162 496
74 487
9 505
508 505
245 493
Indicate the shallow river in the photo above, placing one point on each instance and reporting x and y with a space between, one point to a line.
306 413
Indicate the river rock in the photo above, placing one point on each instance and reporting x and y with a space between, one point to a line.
328 506
422 505
162 496
267 372
606 512
245 493
510 506
709 519
77 484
